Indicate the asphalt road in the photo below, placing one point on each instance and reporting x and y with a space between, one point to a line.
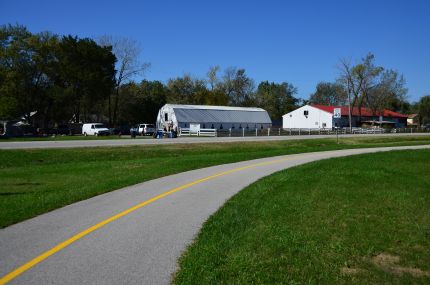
89 243
185 140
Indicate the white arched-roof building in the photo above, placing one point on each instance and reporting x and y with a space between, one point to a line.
212 117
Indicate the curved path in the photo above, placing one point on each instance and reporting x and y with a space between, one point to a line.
181 140
133 235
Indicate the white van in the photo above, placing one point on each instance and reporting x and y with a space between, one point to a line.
96 129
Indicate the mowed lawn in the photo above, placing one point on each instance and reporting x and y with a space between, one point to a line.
40 180
354 220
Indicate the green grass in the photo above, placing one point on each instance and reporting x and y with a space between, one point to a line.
39 180
354 220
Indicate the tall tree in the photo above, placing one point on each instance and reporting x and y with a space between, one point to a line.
331 94
182 90
153 95
212 75
367 73
25 67
368 85
424 109
87 72
216 94
388 88
277 99
238 87
351 85
128 66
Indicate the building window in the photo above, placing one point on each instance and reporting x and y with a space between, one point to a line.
261 126
204 126
240 126
221 127
306 112
324 125
213 126
166 117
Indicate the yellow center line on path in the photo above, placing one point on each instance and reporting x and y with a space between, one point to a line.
20 270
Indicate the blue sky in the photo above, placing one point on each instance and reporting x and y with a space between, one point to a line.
300 42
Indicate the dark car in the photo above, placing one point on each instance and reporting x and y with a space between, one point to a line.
426 127
121 130
62 130
134 131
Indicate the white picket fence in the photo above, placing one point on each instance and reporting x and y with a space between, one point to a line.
200 133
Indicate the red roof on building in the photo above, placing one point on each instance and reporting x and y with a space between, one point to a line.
365 112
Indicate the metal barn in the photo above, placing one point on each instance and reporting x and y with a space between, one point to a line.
174 117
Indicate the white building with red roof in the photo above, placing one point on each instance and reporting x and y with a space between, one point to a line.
321 117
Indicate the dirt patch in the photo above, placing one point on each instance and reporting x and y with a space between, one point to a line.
351 271
387 262
130 166
398 270
384 259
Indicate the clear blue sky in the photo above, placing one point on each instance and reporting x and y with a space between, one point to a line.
300 42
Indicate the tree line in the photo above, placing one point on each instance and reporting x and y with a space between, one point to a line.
366 84
49 79
59 79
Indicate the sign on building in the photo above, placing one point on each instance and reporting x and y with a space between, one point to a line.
337 114
194 128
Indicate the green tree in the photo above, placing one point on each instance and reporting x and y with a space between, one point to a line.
15 64
187 90
86 72
388 90
26 68
368 85
276 99
330 94
238 87
424 109
139 103
212 75
153 95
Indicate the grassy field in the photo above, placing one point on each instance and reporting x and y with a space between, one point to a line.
37 181
354 220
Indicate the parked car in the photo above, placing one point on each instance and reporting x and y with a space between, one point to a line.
96 129
146 129
427 127
134 131
121 130
62 130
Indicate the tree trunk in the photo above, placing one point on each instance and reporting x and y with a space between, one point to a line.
110 110
115 106
77 111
